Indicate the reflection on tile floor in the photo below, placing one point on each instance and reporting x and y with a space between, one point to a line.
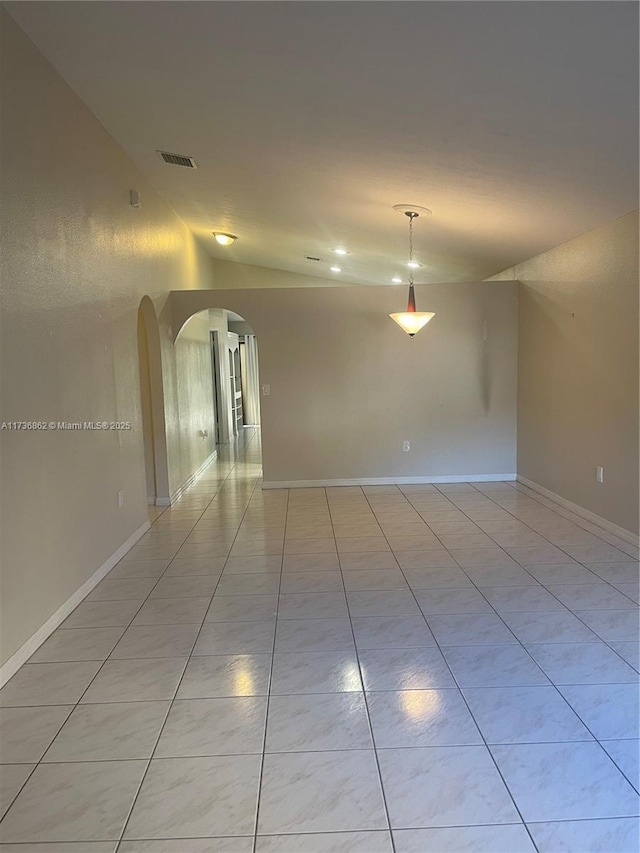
416 669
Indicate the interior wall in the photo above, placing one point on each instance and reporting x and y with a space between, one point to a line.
76 261
218 322
348 386
146 410
578 370
250 380
152 370
195 413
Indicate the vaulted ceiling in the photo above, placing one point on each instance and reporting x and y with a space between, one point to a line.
515 122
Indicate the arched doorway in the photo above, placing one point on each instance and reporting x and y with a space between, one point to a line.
235 373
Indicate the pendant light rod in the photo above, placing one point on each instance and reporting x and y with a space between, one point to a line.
412 215
411 306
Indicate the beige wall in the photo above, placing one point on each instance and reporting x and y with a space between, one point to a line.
218 322
146 400
77 260
348 386
195 411
578 370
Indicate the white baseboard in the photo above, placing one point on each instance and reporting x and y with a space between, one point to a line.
8 669
389 481
580 511
192 479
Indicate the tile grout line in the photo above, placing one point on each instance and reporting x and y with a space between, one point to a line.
463 697
536 499
269 686
551 682
462 568
82 694
524 568
580 522
364 694
175 692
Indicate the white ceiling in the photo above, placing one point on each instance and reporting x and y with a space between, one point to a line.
515 122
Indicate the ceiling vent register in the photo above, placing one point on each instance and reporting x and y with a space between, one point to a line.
178 159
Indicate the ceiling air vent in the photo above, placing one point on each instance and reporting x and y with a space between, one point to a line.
178 159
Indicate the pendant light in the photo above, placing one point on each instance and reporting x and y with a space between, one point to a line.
411 320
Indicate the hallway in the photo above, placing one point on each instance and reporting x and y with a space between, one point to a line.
318 665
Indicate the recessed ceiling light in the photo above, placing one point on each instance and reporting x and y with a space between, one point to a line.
224 239
341 251
336 269
396 280
413 265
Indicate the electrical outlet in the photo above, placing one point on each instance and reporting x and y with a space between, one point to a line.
600 474
120 498
406 446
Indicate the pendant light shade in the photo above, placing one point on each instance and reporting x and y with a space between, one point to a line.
411 321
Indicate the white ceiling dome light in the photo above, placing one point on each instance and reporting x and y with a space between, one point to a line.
224 238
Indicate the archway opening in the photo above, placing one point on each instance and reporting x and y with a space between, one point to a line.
235 373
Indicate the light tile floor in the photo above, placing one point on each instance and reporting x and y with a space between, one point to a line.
419 669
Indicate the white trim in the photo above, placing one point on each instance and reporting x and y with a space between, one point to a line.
10 667
621 532
389 481
192 479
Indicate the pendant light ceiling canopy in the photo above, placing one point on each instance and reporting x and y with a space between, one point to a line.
411 321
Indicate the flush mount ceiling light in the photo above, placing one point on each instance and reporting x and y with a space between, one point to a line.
224 239
411 320
341 252
335 269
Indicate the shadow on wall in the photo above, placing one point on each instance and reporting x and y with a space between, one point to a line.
485 371
152 402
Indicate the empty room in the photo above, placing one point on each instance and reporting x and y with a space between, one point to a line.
319 427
